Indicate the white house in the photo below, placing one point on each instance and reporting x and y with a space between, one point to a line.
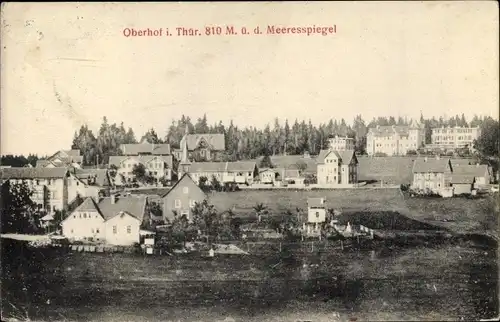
337 168
157 166
316 213
115 220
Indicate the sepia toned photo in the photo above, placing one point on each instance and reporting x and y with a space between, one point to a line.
250 161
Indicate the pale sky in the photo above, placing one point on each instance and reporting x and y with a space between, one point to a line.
64 65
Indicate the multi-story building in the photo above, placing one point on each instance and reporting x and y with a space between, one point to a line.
116 220
202 147
452 138
337 168
395 139
48 185
157 166
338 143
62 158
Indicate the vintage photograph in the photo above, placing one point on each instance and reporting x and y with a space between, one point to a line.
244 161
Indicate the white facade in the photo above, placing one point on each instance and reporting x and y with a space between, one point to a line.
82 225
395 140
155 167
123 229
316 215
48 194
338 143
454 137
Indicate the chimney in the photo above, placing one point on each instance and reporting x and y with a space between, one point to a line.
113 199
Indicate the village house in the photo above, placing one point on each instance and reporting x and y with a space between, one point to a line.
181 198
462 183
316 214
338 143
62 158
395 139
480 172
202 147
280 177
239 172
432 175
115 220
292 162
145 148
157 166
337 168
88 183
49 185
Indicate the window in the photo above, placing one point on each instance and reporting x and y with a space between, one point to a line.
129 229
185 190
97 230
71 230
317 214
92 230
84 215
54 208
177 203
114 229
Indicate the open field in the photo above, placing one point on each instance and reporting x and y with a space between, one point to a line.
279 201
391 170
459 215
440 282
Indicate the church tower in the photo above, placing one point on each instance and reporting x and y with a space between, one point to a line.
184 164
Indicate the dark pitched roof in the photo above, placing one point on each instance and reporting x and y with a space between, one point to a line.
117 159
67 157
101 176
88 205
290 162
184 177
345 156
473 170
216 141
133 205
461 179
222 166
138 148
43 163
316 202
422 165
32 173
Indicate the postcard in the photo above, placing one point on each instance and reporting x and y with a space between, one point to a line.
249 161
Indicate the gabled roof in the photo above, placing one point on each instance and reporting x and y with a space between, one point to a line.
68 156
117 159
472 170
316 202
184 177
242 166
389 130
422 165
133 205
43 163
345 156
33 173
138 148
461 179
87 205
101 175
215 140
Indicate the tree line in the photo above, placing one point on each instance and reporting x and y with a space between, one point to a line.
280 137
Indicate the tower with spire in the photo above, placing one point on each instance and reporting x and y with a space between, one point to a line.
184 164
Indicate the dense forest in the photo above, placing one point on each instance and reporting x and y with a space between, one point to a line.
282 136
